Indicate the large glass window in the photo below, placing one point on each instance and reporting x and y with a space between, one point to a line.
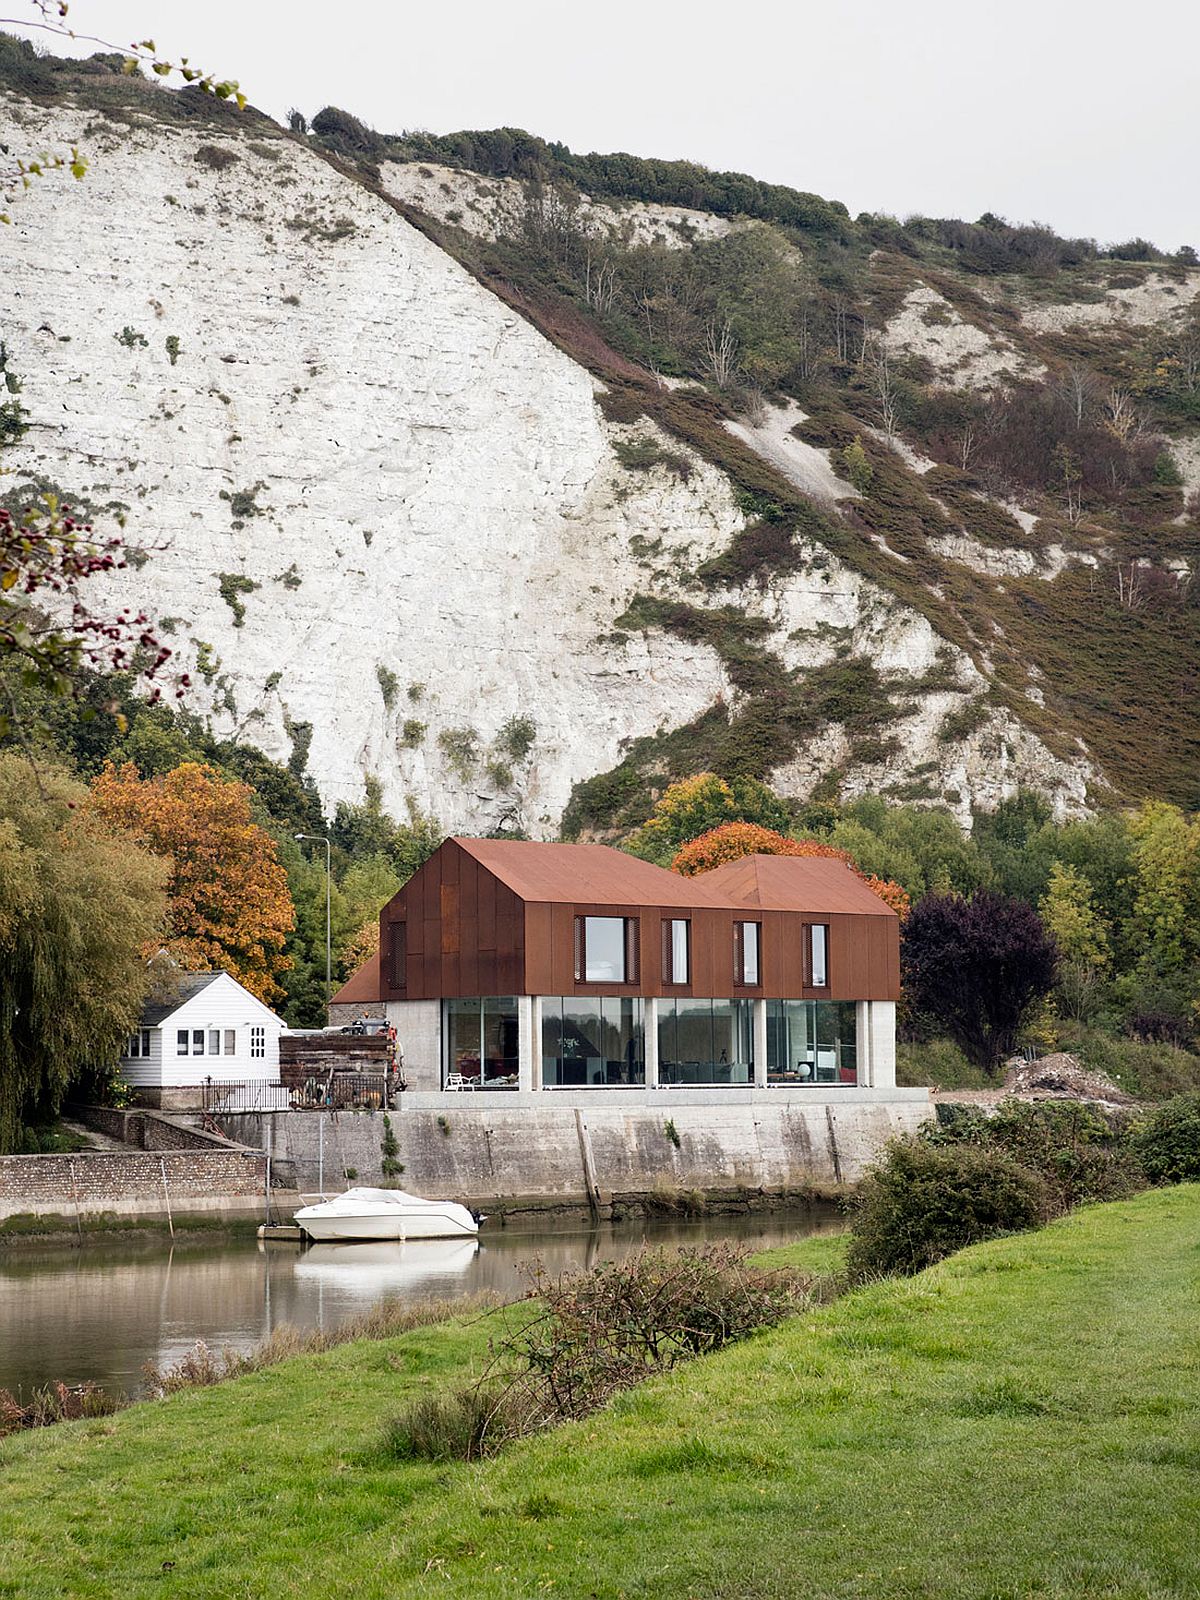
812 1042
592 1041
606 950
481 1049
705 1041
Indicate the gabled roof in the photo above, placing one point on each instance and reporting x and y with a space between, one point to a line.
586 874
185 986
795 883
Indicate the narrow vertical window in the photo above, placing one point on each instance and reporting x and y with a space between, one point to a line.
746 952
258 1042
399 955
818 955
132 1045
677 951
181 1041
214 1041
230 1041
145 1041
197 1041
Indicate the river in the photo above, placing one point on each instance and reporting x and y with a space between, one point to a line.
101 1311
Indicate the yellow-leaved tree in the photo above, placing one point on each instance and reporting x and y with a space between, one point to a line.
228 903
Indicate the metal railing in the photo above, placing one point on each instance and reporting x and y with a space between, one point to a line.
338 1091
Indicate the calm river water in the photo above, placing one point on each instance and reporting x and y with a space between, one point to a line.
103 1310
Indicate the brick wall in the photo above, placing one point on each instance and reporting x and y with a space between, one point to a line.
131 1183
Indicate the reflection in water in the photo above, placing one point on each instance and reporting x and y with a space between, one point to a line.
103 1311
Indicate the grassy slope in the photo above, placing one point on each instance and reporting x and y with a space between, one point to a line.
1018 1422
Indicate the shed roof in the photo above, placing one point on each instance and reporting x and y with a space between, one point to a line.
184 986
795 883
587 874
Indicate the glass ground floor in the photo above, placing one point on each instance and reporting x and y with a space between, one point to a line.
600 1041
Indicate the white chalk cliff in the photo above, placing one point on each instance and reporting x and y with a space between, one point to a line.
284 382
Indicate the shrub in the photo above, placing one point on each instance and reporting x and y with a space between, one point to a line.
388 684
461 1426
596 1334
923 1201
1167 1140
215 157
55 1402
1080 1153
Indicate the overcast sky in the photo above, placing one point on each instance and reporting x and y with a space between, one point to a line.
1081 113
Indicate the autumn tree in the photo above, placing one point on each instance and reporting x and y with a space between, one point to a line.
975 968
696 805
79 904
733 840
228 901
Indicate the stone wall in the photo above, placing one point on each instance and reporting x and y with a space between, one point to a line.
131 1184
532 1149
148 1130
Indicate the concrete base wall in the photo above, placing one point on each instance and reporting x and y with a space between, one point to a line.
418 1025
510 1148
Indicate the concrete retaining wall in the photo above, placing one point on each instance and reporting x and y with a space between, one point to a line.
131 1183
537 1148
150 1130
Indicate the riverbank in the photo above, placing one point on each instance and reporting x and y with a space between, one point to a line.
1019 1420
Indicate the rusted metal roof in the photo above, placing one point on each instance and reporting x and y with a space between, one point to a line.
586 874
363 986
795 883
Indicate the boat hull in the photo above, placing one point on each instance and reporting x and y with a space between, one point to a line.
364 1214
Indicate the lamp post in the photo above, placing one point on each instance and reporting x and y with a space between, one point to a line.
323 838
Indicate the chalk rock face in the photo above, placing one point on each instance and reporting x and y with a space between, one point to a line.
384 522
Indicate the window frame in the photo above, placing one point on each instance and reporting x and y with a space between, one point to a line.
183 1042
631 947
258 1041
230 1041
198 1041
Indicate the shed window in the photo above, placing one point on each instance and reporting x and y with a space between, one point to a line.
231 1041
746 941
818 956
677 950
258 1042
197 1041
181 1042
138 1044
606 949
214 1041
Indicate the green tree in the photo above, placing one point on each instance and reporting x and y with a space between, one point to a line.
78 901
1163 935
1069 913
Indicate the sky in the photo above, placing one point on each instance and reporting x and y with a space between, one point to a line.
1081 113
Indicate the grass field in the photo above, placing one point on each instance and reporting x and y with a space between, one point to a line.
1018 1422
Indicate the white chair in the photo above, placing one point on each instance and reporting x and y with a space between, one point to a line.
456 1080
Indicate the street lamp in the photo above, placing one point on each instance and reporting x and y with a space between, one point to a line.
322 838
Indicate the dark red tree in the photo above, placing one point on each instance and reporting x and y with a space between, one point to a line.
975 967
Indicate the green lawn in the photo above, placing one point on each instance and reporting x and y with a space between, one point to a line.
1019 1422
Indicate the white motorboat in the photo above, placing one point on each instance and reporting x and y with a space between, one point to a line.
386 1214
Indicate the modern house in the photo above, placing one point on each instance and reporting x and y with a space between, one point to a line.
512 966
207 1026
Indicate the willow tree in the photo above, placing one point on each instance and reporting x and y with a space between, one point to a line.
78 902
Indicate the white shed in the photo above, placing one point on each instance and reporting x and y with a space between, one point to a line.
208 1026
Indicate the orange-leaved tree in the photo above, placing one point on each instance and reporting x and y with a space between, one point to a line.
736 839
228 903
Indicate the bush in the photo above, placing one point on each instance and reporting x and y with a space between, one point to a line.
1167 1141
924 1200
1079 1153
596 1334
